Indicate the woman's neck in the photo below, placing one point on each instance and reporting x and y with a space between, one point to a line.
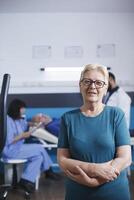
92 109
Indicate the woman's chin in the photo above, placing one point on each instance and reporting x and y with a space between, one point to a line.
92 99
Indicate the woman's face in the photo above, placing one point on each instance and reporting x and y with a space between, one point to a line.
93 92
22 111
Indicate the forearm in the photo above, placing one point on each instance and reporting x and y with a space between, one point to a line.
121 163
17 138
123 158
71 165
68 164
82 178
21 136
92 170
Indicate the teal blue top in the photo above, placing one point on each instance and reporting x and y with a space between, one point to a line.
94 140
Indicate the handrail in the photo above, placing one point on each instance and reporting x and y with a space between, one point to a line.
3 110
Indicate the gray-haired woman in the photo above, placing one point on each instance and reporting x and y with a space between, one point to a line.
94 143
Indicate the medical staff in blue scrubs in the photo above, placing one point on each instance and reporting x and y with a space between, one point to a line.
37 157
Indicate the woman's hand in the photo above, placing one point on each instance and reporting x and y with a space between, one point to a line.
105 171
26 135
22 136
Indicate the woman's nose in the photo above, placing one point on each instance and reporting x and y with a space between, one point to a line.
92 85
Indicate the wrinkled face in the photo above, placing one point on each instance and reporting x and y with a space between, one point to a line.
93 86
37 119
42 118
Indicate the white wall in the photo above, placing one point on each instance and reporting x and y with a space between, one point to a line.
20 32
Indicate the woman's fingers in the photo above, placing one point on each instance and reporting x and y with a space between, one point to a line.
81 171
71 175
106 171
115 170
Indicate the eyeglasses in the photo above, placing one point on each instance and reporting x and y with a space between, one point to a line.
89 82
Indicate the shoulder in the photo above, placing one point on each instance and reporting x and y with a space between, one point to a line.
10 123
115 115
70 114
9 119
113 110
123 93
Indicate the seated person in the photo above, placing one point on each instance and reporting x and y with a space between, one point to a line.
47 127
15 148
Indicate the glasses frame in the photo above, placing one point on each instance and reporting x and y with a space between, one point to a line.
93 82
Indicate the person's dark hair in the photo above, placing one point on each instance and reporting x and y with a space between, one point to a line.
112 76
14 108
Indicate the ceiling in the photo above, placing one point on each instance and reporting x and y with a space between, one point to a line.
37 6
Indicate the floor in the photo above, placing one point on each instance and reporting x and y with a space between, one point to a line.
48 190
54 190
131 181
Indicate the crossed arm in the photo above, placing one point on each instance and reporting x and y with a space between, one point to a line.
94 174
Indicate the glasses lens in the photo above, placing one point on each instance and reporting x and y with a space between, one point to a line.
87 82
99 84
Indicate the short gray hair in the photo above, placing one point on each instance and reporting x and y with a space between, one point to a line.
98 67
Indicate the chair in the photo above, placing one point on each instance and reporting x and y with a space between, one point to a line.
14 163
4 189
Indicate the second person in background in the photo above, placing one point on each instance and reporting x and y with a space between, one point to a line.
116 96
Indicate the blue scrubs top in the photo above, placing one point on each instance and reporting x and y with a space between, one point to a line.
94 140
14 128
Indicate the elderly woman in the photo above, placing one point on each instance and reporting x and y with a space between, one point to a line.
94 144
